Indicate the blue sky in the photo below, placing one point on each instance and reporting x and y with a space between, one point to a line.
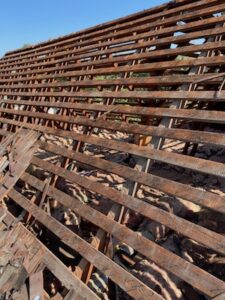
32 21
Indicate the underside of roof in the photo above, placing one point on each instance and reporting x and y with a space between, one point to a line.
112 152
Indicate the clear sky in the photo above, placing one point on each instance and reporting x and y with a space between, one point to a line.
32 21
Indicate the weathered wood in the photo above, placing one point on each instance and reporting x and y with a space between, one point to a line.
217 117
25 152
177 189
177 134
125 280
159 255
151 63
178 224
192 14
150 67
151 43
54 264
36 286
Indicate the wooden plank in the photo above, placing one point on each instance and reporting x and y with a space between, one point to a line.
159 255
177 189
25 147
128 36
209 78
102 70
200 115
112 50
36 286
147 95
191 230
54 264
125 280
200 165
195 136
167 21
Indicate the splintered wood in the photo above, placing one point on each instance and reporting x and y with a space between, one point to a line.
112 146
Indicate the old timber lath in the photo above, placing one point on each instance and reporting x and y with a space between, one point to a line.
112 160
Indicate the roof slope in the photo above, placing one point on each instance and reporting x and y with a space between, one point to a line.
127 172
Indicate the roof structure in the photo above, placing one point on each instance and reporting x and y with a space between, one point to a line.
112 160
